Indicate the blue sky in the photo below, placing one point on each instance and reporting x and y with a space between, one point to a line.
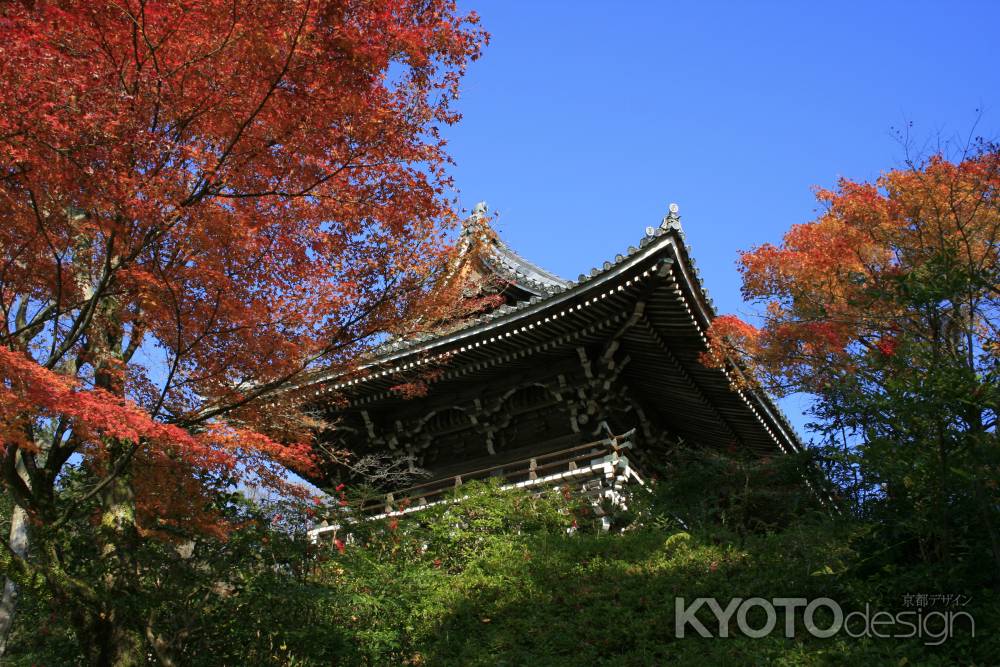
584 120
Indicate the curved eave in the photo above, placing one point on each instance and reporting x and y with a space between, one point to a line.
526 275
759 402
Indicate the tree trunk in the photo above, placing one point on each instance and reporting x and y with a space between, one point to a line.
8 605
119 637
120 641
120 645
19 545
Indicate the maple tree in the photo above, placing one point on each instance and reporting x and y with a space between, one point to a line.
886 309
200 203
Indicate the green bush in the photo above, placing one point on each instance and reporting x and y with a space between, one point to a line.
498 580
518 578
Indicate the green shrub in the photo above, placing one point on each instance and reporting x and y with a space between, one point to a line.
497 580
518 578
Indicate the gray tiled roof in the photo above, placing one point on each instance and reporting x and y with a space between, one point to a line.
504 262
547 284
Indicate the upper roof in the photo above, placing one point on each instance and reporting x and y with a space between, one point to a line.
557 311
499 259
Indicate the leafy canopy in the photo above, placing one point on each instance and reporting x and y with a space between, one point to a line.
201 202
885 308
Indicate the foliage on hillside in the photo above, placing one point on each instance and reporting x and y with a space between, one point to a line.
508 578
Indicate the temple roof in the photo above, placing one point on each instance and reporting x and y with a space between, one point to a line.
500 260
649 298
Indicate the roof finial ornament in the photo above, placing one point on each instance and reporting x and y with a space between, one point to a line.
477 219
672 219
